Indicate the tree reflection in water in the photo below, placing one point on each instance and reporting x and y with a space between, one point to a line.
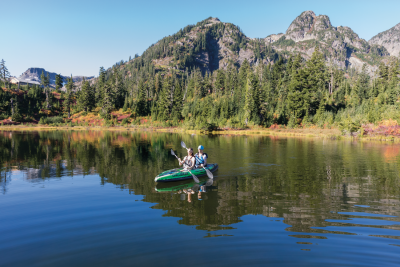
309 183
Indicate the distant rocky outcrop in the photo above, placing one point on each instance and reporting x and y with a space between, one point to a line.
340 45
33 74
390 39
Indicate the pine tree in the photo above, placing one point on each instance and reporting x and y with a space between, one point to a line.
68 97
108 101
16 116
220 82
251 97
45 82
198 84
100 85
59 81
126 104
141 107
4 73
177 102
119 90
361 87
316 81
165 100
298 96
86 96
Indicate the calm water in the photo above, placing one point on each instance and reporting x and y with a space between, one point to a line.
89 199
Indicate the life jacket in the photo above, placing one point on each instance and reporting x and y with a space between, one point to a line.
187 161
200 160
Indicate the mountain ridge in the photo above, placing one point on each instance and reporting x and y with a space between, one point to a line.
390 39
212 44
33 74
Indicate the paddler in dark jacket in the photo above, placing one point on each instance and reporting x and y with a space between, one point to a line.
201 158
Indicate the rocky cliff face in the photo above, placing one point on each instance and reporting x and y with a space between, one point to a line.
340 45
33 74
390 39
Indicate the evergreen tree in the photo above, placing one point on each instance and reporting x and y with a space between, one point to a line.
251 95
316 81
100 86
165 100
361 86
45 82
69 96
119 90
108 101
198 84
220 82
177 104
4 73
16 116
59 81
86 97
141 107
298 96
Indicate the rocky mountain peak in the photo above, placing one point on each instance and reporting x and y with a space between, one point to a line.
307 26
300 26
322 22
389 39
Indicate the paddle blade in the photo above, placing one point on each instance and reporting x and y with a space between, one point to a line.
209 182
172 153
209 174
183 144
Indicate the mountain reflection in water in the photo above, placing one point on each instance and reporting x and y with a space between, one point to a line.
317 188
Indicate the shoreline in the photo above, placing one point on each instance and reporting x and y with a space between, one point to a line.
333 134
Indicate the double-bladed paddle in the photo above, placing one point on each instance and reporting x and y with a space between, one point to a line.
194 176
209 174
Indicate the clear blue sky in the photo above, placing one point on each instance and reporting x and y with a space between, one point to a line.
78 37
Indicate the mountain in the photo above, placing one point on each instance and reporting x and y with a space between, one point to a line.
33 74
390 39
211 45
340 45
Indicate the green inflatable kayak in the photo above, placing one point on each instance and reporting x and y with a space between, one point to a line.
180 174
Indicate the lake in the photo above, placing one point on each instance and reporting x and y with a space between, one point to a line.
88 198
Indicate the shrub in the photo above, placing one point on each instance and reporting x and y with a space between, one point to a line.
292 122
349 126
51 120
54 120
124 121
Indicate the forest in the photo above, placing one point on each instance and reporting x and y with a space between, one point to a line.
290 92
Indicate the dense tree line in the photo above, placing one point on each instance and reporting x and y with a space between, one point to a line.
290 91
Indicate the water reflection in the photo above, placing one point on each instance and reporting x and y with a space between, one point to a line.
315 187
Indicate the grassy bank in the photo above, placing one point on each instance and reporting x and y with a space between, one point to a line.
312 132
387 130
